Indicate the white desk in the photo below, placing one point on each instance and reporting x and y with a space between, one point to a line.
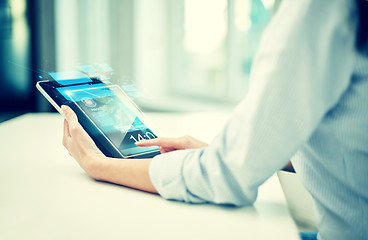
44 194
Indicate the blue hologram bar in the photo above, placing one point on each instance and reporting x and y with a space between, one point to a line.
69 78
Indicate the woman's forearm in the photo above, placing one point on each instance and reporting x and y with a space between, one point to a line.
132 173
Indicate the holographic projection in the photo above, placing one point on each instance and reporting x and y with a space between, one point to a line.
106 110
115 115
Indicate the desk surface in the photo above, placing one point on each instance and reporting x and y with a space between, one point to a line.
44 194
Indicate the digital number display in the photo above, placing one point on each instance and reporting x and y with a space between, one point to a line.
146 136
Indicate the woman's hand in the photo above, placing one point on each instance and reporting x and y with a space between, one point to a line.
172 144
79 144
133 173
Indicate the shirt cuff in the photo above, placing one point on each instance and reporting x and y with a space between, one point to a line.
166 175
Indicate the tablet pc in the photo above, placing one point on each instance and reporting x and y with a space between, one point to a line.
106 112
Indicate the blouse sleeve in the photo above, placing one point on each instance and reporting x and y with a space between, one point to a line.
303 66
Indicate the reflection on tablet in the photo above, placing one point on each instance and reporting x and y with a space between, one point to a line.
115 116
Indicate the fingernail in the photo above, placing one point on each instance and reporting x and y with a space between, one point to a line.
64 108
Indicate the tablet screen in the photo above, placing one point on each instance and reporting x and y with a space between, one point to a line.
115 116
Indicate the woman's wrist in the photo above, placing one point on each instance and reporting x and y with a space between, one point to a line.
94 165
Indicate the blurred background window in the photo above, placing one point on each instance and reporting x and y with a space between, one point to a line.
180 55
213 44
15 51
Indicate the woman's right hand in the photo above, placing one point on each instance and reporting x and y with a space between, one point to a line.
172 144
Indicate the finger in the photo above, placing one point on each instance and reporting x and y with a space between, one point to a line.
162 150
66 134
162 142
147 143
71 118
167 149
66 129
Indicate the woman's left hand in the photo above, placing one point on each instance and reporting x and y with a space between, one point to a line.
79 144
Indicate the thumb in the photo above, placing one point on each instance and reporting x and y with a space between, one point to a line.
70 116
